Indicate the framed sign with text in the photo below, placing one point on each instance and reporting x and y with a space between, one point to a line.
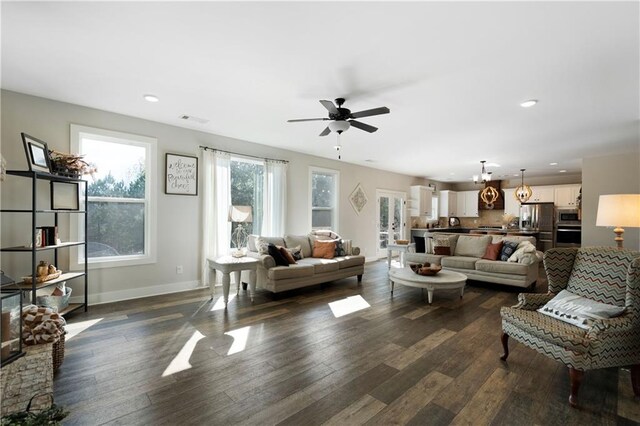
181 174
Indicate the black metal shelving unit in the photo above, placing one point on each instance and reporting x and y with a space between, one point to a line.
33 286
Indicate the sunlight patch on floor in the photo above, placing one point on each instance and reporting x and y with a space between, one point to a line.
240 337
347 306
219 305
181 361
76 328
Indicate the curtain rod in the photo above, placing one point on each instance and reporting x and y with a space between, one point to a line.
243 155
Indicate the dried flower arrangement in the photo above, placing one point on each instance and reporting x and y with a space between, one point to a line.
507 218
71 165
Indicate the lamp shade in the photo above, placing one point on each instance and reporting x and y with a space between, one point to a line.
621 210
240 214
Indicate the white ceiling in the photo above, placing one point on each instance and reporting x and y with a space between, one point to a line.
453 75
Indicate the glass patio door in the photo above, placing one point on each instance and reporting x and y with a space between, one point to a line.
391 219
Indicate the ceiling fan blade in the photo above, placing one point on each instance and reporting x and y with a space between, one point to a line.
363 126
307 119
330 106
370 112
326 131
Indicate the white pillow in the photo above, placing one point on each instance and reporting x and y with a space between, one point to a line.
578 310
524 249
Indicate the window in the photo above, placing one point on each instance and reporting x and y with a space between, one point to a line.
247 178
120 223
324 198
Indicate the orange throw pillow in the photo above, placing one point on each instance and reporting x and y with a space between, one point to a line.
493 251
285 253
324 249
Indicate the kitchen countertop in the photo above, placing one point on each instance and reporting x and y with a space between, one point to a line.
464 230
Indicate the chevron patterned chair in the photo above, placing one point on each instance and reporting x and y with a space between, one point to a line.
603 274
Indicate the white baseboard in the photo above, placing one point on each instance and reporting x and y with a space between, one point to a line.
136 293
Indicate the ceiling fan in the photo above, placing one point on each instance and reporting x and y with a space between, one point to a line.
342 118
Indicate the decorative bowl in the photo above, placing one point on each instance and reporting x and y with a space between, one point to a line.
426 269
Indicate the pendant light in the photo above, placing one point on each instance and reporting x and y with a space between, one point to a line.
484 175
523 192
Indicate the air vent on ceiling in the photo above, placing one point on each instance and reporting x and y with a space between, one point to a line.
194 119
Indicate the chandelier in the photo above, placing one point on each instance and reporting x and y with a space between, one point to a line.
489 196
523 192
484 175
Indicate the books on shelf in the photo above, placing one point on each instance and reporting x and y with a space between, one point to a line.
46 236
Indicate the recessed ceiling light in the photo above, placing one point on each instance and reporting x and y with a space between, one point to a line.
529 103
553 164
516 174
151 98
562 171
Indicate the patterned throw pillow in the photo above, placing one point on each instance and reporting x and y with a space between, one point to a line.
262 245
340 250
508 248
296 252
442 246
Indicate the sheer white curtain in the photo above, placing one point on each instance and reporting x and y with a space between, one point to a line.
274 198
216 228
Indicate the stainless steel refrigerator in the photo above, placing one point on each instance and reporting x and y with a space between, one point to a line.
538 217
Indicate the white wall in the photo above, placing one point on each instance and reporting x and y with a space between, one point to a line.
615 174
179 218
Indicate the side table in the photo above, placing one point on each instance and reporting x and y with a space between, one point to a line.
402 249
228 264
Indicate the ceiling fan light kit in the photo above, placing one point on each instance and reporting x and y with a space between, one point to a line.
342 118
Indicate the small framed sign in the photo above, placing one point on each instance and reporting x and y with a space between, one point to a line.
181 174
64 196
37 154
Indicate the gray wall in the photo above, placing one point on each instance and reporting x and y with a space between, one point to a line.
178 217
615 174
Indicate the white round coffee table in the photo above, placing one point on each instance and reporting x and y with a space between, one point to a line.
443 280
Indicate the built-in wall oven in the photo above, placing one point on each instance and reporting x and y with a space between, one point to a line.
568 228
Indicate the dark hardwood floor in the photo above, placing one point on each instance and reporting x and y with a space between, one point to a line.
302 359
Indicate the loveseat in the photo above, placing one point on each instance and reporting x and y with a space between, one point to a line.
308 270
467 252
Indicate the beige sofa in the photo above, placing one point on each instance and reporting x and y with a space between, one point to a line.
467 251
307 271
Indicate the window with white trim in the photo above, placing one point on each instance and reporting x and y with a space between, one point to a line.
324 198
120 211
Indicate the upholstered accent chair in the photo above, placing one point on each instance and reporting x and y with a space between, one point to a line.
602 274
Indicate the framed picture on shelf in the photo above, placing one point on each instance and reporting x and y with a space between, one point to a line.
37 154
181 174
64 196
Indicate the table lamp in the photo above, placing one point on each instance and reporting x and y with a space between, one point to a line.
619 210
240 215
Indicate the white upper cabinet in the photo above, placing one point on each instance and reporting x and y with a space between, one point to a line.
542 194
511 203
420 202
566 196
448 203
469 207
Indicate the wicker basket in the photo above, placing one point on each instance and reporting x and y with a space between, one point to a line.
58 352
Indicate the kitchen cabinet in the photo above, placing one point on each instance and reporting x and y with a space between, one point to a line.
420 201
511 203
542 194
448 203
566 196
467 203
